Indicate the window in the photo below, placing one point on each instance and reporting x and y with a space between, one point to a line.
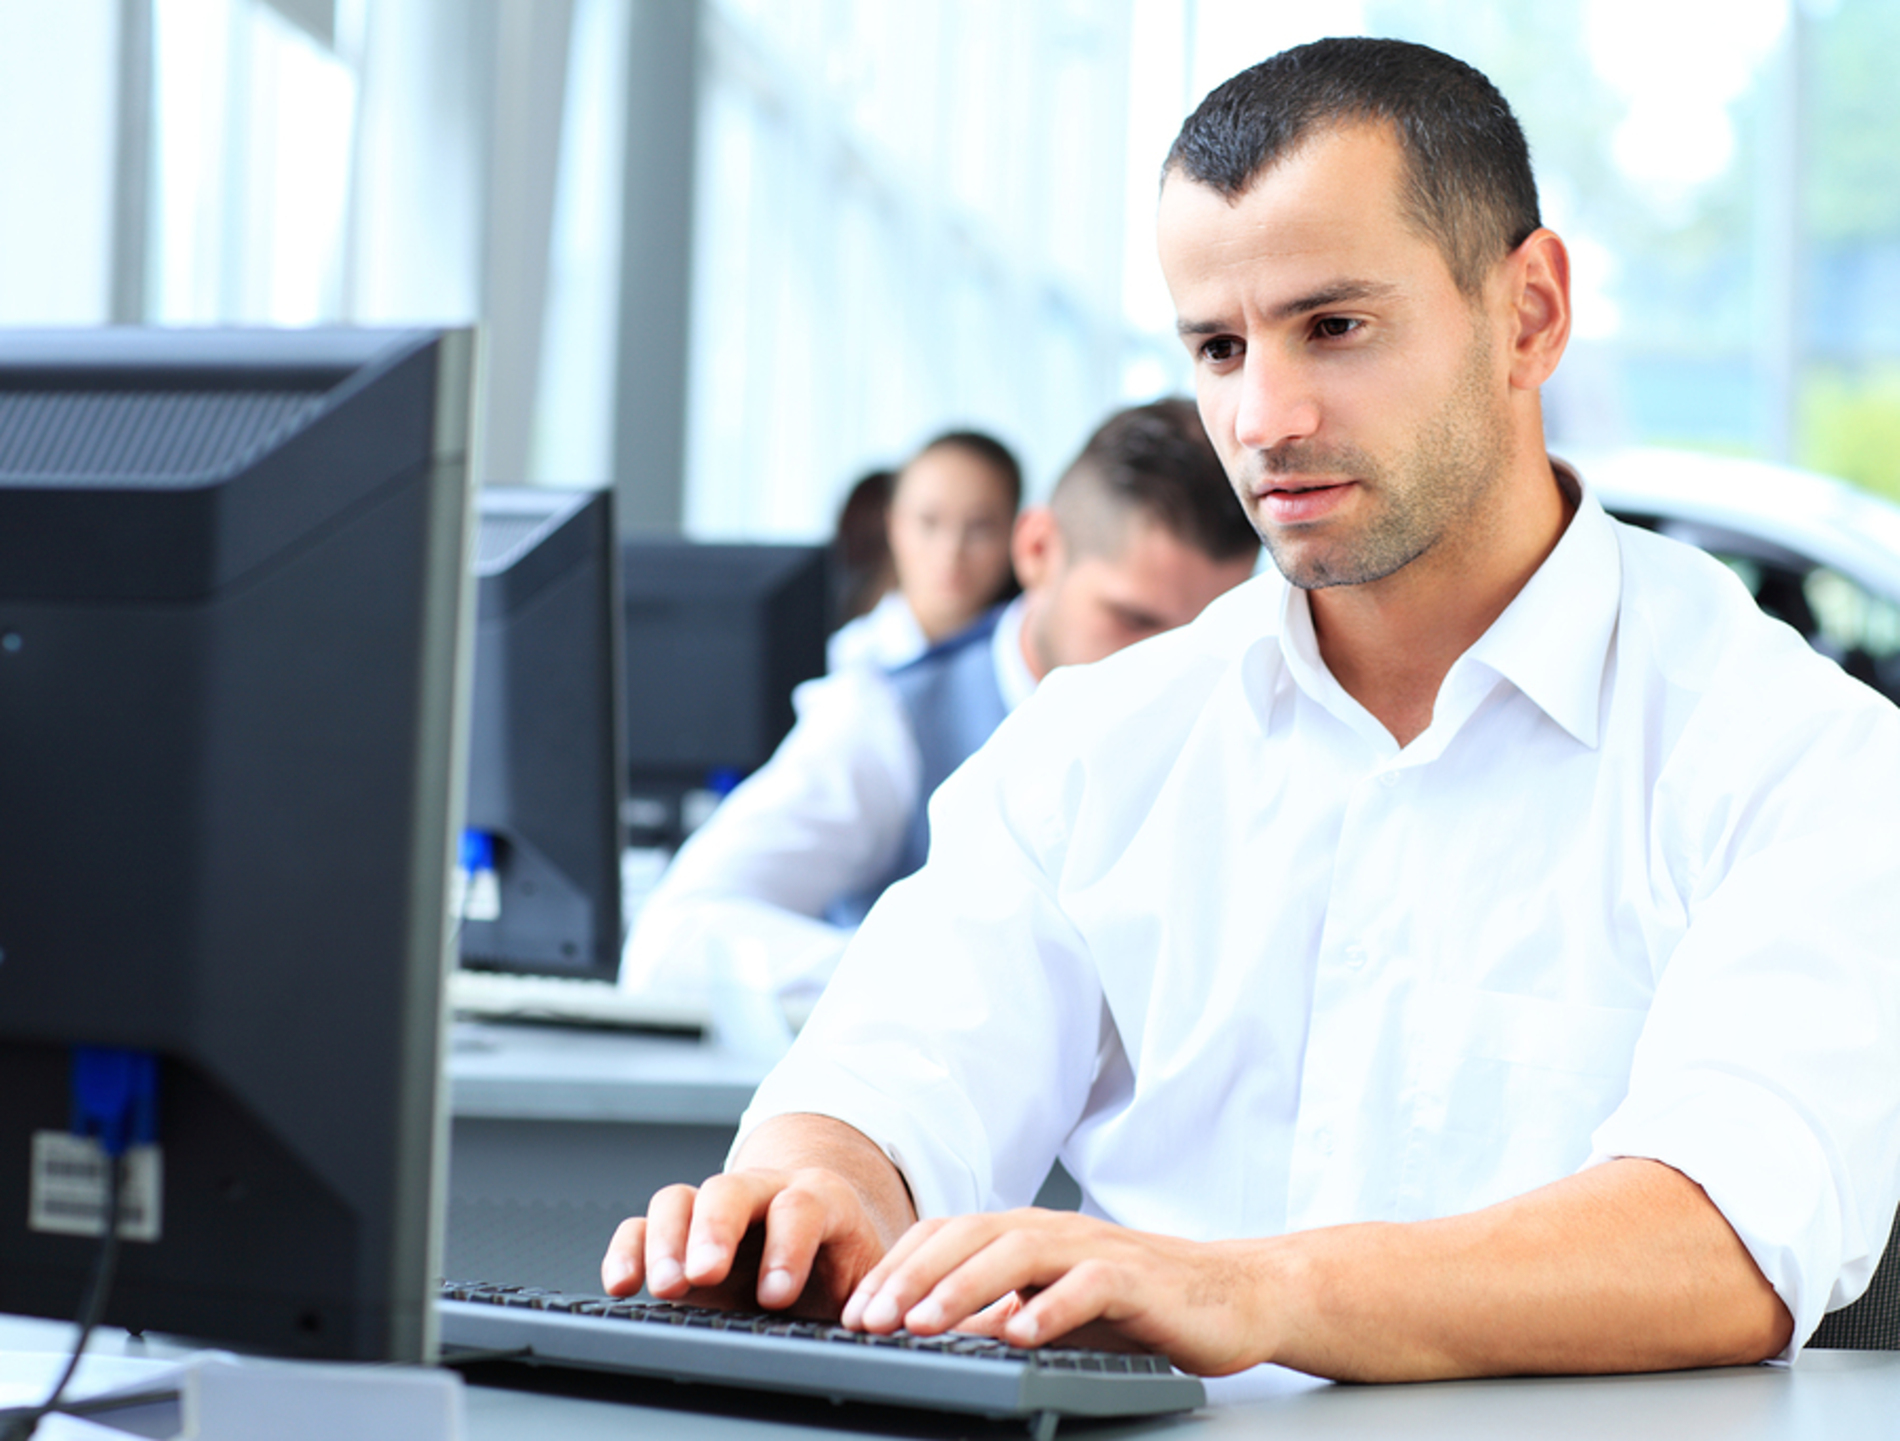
940 212
910 219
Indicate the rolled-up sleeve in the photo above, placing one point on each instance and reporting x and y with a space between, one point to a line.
1769 1068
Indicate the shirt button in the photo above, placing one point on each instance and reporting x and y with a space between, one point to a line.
1388 779
1355 957
1323 1141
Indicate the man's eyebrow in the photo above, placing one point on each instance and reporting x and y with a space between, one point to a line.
1340 292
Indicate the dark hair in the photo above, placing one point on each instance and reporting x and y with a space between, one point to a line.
1468 182
861 569
1153 460
991 451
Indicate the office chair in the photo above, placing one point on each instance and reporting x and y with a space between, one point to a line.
1873 1322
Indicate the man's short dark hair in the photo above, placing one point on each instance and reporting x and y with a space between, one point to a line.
988 449
1153 461
1468 182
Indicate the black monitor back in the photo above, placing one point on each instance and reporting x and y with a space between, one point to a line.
717 638
545 734
232 605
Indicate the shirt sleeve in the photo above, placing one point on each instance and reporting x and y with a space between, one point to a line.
744 900
962 1029
1766 1071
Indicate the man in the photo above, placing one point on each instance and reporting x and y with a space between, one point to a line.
1140 533
1470 954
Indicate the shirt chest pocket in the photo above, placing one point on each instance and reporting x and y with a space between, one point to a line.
1508 1089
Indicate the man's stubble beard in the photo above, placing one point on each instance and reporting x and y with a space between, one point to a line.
1436 488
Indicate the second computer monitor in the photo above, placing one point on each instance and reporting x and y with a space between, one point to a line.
541 853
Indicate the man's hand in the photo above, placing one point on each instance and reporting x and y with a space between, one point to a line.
1032 1277
1626 1266
767 1233
756 1235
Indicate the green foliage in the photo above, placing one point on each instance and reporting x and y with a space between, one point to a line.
1850 426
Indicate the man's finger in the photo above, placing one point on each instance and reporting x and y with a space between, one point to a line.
1081 1295
950 1248
992 1318
879 1275
726 1208
799 1221
623 1268
960 1272
668 1217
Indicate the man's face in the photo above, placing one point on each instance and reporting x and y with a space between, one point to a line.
1358 399
1084 607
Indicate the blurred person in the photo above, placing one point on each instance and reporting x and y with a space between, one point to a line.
1140 533
947 529
862 573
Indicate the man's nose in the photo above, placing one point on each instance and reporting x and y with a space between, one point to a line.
1278 402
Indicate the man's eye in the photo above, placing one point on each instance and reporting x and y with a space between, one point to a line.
1336 327
1220 349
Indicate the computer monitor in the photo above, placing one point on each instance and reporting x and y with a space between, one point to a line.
233 620
542 848
717 638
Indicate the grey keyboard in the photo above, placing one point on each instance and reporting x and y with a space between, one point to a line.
966 1374
568 1001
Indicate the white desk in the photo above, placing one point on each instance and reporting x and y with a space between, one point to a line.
1827 1396
534 1073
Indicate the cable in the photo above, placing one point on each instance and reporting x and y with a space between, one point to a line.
22 1424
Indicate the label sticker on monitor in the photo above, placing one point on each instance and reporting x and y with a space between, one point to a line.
69 1188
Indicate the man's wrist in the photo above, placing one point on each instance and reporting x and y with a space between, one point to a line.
1278 1287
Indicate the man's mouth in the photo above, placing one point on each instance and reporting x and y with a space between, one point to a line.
1272 487
1291 500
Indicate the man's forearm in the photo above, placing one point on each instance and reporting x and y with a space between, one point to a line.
796 1142
1626 1267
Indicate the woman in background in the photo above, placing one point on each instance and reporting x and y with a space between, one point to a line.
946 528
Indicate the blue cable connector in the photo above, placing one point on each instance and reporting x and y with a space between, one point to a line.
115 1097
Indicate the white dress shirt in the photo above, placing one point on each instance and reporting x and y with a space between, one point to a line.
887 635
1194 922
743 902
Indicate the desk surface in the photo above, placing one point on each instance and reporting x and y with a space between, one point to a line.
1826 1396
517 1073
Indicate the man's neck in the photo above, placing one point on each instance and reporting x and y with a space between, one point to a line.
1390 643
1025 640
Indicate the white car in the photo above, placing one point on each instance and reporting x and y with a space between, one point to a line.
1816 552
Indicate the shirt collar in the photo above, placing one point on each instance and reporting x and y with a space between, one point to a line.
1006 649
1552 641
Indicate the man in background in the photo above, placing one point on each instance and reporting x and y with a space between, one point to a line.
1141 532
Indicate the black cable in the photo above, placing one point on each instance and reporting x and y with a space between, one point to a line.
22 1424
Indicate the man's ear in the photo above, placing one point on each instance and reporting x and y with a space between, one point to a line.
1035 546
1540 288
